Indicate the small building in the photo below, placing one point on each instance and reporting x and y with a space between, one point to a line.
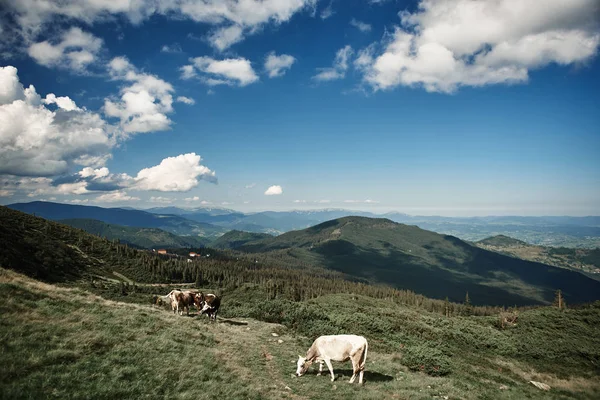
162 251
192 254
189 260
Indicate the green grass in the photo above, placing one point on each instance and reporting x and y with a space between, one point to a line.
68 343
65 343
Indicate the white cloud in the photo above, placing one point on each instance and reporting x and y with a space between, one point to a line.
327 11
299 201
361 26
63 102
144 104
161 200
224 37
115 197
340 65
37 141
187 72
174 48
88 172
323 201
250 186
452 43
274 190
195 198
33 16
278 65
174 174
75 50
186 100
230 71
368 201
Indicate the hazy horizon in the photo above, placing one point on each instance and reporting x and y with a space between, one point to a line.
374 211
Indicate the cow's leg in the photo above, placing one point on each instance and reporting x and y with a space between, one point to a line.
328 362
320 368
354 370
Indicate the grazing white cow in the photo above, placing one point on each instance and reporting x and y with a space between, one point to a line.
336 348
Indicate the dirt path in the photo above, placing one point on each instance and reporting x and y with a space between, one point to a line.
249 350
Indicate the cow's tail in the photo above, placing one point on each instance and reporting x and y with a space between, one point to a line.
363 361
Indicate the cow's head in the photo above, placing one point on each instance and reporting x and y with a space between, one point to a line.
303 366
199 299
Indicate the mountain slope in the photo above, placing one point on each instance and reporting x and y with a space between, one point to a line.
501 240
170 223
434 265
234 239
147 238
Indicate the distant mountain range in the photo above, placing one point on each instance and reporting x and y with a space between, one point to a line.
213 222
407 257
127 217
369 250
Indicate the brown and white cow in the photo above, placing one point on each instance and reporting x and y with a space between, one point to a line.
336 348
208 303
179 300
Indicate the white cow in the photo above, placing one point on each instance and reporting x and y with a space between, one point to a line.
336 348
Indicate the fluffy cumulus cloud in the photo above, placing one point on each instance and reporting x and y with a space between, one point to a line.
230 71
144 104
174 174
75 49
274 190
446 44
339 68
44 137
233 18
278 65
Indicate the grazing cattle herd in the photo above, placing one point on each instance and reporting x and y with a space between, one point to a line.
182 300
323 350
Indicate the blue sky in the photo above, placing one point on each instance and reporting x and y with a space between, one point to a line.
446 107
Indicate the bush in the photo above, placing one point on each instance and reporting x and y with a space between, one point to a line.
423 357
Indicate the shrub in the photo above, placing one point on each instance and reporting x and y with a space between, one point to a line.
423 357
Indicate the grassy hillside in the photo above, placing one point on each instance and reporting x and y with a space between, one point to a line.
408 257
234 239
147 238
90 347
171 223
